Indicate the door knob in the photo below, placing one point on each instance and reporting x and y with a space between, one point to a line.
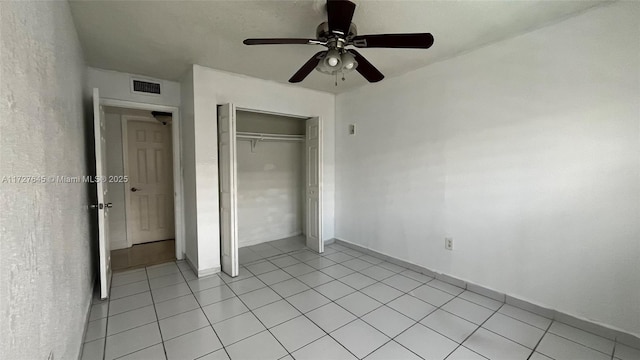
135 189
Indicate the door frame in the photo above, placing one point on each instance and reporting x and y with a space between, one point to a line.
320 165
124 120
176 147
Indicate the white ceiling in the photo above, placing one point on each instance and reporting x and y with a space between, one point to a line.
162 38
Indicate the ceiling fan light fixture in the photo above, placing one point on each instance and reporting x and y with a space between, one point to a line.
349 62
332 60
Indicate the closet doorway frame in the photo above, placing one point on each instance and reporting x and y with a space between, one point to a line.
230 222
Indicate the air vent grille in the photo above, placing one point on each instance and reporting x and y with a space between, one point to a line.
146 87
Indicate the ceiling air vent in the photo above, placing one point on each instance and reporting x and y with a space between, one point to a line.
145 87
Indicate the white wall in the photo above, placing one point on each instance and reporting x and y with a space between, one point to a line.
189 168
212 87
117 85
46 271
526 152
270 189
268 123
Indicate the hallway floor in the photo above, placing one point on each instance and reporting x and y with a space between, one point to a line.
289 302
141 255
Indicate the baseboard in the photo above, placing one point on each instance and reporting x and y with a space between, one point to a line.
603 330
257 242
86 318
207 272
329 241
203 272
193 267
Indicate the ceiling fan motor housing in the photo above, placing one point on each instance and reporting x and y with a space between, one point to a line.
323 33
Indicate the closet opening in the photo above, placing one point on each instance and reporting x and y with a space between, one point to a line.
270 189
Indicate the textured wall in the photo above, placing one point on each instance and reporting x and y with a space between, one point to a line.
524 151
45 269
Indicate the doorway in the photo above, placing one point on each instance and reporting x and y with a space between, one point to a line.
270 177
141 219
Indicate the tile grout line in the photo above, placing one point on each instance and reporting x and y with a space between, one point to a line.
424 317
382 304
356 290
330 301
156 312
540 340
254 315
106 326
205 315
474 331
303 313
146 275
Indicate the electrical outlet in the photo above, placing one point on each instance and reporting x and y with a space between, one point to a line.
352 129
448 243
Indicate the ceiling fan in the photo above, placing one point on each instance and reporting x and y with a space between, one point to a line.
336 35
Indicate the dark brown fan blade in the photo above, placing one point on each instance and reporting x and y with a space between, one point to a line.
408 41
339 14
365 68
307 68
277 41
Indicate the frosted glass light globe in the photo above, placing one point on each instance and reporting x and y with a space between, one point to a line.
332 61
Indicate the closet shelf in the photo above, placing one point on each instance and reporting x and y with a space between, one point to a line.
267 137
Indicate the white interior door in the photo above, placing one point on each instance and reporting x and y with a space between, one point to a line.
101 187
150 170
228 188
313 176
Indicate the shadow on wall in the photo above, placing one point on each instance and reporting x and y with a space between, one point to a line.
90 168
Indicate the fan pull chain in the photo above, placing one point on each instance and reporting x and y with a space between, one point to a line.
336 79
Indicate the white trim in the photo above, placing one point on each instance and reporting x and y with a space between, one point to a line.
178 184
320 183
202 273
320 170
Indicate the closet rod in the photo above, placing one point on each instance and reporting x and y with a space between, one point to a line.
259 136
